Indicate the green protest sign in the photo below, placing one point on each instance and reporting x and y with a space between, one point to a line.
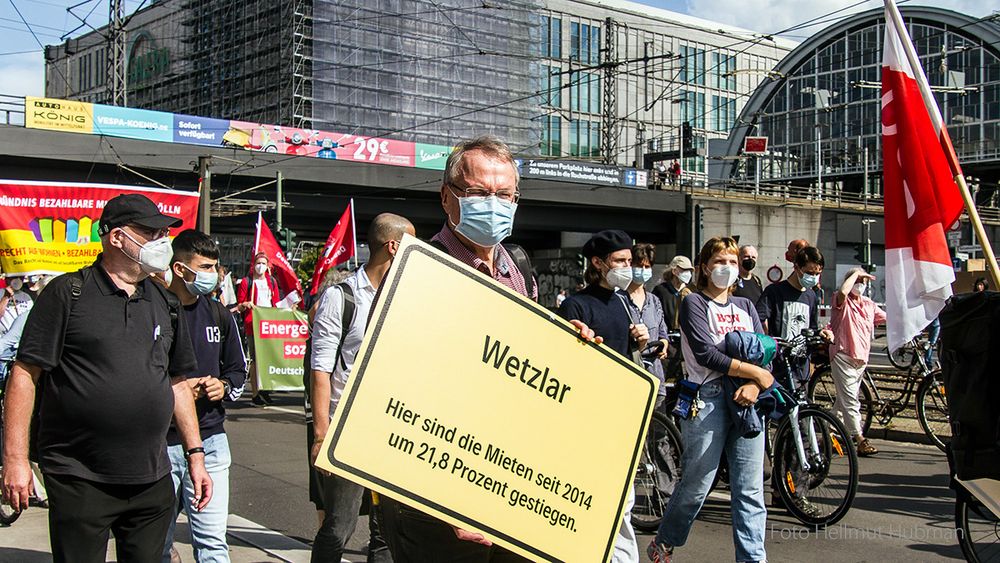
279 338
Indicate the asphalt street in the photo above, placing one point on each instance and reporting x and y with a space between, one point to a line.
903 511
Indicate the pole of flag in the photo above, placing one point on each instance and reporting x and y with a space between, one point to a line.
896 20
354 230
256 238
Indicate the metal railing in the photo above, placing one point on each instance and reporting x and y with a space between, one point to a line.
12 109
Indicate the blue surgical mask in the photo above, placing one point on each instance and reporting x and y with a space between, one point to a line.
204 282
485 220
642 275
809 281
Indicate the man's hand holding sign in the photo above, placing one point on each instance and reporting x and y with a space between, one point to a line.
497 417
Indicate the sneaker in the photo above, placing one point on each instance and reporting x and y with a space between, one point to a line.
659 553
865 448
266 395
259 401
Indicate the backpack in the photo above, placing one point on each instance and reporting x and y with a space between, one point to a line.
969 356
521 260
346 320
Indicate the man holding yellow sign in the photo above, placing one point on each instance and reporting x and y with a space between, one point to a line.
495 424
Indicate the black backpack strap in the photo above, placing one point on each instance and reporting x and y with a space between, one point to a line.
523 264
221 314
173 304
346 319
76 281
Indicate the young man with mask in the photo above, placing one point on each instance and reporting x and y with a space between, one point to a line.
220 376
605 307
787 307
333 350
113 348
748 284
675 287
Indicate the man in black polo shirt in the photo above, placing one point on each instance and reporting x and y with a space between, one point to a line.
108 350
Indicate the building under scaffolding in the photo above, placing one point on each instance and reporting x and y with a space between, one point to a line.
600 80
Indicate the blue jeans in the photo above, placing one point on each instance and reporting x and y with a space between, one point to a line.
208 527
705 437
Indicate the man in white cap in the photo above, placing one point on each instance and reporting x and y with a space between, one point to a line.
675 287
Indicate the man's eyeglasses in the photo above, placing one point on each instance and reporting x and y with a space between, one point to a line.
507 195
149 234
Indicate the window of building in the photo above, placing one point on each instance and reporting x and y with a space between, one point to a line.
584 138
585 92
722 72
692 65
693 108
551 86
585 43
723 113
551 135
551 37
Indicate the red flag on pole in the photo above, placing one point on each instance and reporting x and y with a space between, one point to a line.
921 197
281 269
339 247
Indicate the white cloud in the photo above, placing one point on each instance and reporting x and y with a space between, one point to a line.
22 75
770 16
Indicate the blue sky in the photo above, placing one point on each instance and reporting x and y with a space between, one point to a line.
21 60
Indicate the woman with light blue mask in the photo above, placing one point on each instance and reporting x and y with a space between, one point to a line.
646 308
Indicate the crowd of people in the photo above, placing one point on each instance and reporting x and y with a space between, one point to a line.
132 360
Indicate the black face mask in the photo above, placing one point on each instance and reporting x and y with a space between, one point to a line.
749 264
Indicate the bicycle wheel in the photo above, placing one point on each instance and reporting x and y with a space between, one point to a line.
822 392
821 494
658 473
904 357
932 410
978 530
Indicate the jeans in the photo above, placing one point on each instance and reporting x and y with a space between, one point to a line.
208 527
933 333
341 503
705 437
847 374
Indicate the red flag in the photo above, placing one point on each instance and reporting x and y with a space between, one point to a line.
281 269
339 247
921 197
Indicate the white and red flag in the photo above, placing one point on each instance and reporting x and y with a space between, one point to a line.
340 247
281 268
922 199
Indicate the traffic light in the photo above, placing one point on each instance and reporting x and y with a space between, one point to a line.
862 253
686 135
287 240
582 263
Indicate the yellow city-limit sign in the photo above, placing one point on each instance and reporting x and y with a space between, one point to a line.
476 405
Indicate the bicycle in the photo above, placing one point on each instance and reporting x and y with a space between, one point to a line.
977 523
814 465
923 384
658 472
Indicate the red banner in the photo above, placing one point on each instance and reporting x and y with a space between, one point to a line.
51 227
339 247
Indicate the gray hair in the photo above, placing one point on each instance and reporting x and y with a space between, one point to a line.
489 145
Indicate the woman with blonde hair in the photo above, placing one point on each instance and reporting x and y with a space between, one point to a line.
706 316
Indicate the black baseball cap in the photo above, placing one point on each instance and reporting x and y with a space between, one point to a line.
128 209
606 242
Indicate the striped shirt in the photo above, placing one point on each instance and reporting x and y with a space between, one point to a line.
505 270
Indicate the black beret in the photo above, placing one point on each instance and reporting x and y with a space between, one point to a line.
606 242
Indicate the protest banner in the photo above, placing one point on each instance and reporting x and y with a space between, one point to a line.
279 338
477 406
51 227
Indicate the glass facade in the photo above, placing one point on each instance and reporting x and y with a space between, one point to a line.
825 114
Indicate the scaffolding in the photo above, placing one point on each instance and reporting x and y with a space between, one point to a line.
431 71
